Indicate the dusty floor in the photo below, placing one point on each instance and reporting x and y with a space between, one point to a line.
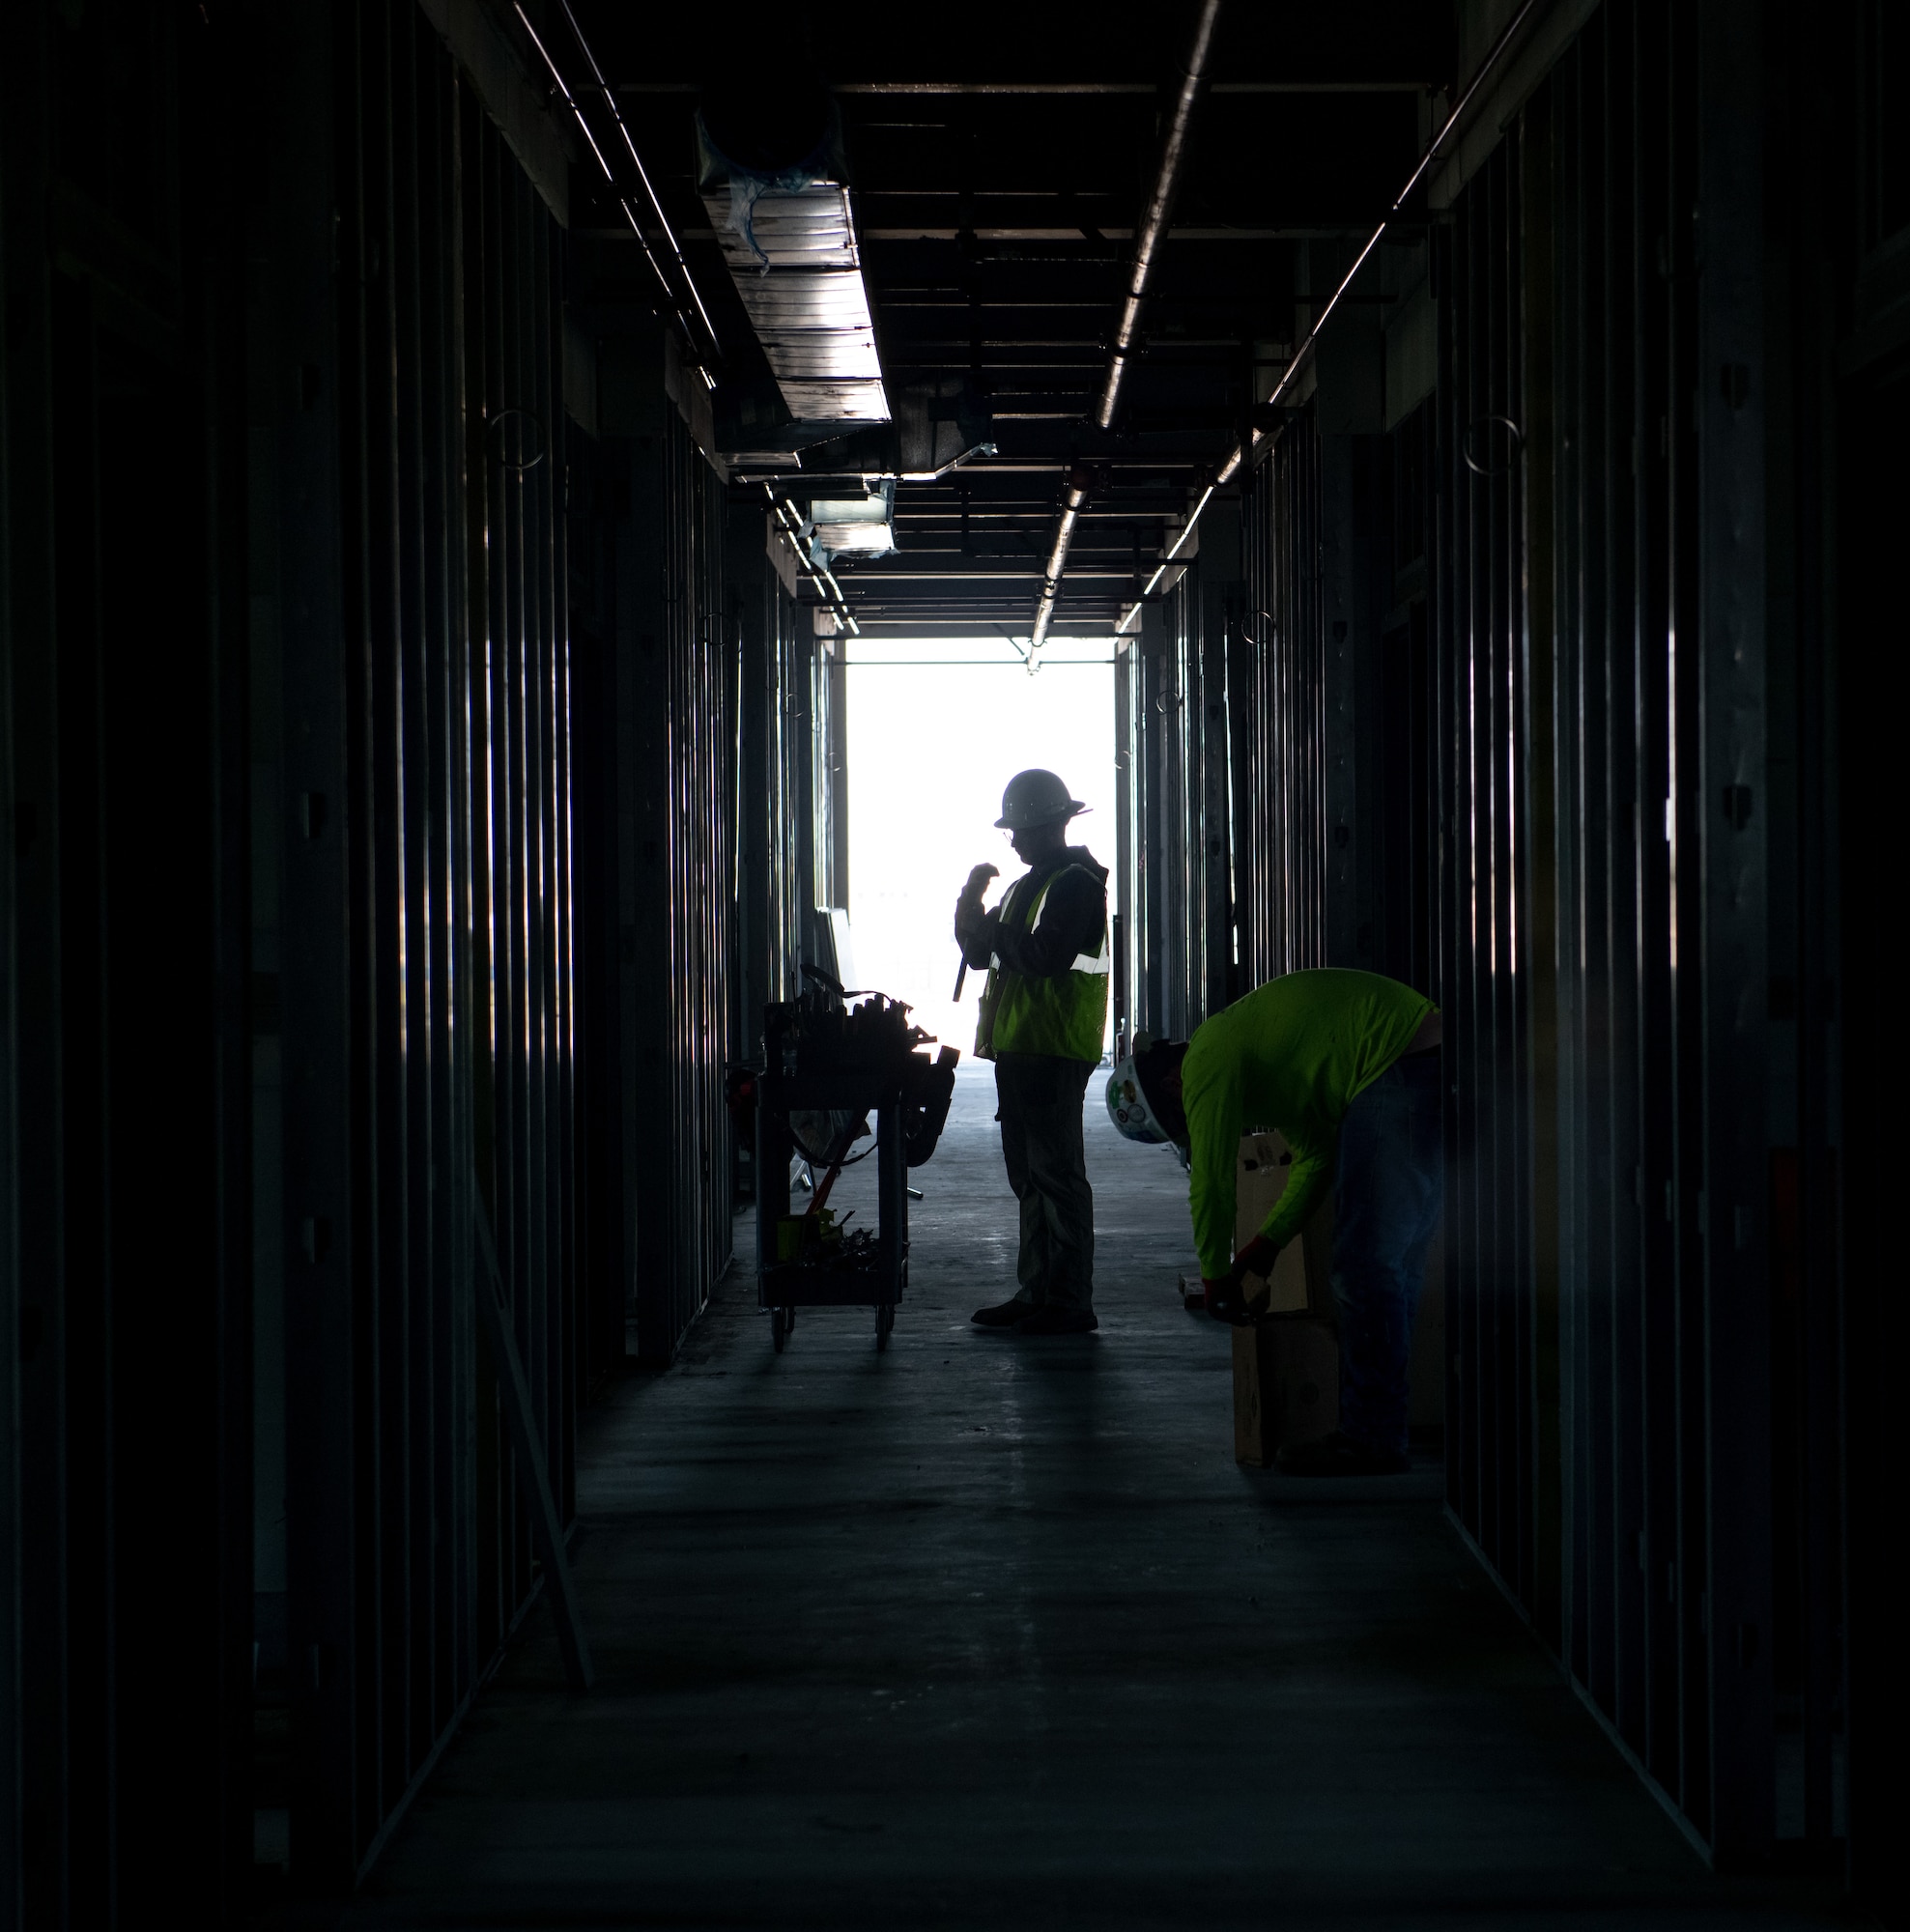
992 1632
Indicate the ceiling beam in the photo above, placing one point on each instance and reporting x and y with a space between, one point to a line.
1047 88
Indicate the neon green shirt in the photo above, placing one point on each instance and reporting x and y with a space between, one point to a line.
1293 1055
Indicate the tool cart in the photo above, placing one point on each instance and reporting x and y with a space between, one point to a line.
832 1075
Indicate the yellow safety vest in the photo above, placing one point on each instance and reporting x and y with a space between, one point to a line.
1065 1016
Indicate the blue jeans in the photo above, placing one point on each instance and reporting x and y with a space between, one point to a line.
1390 1187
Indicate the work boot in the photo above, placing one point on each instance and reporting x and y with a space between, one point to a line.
1340 1455
1052 1321
1003 1314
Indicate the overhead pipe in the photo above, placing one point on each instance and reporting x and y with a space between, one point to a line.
643 173
1245 449
1228 469
1148 238
815 479
583 127
1152 231
818 574
1169 558
1073 499
712 345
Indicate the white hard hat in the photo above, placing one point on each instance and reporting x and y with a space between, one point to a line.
1127 1105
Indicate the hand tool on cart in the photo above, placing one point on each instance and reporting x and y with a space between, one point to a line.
971 896
829 1069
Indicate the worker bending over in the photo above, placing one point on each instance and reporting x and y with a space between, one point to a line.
1043 1016
1338 1061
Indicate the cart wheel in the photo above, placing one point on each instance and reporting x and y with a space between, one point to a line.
885 1320
779 1327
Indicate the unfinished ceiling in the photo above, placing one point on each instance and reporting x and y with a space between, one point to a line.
998 166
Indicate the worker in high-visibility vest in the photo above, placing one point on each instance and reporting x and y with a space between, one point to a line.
1043 1018
1346 1065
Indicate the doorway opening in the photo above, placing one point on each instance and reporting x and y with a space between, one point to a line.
936 730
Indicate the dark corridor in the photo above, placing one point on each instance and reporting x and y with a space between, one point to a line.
452 454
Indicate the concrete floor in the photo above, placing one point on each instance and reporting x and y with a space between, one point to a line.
990 1632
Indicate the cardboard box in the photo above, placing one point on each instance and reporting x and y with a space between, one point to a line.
1286 1386
1299 1276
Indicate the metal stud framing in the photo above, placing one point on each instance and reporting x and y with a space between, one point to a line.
1279 697
1539 792
423 950
1609 1415
688 655
435 835
124 1325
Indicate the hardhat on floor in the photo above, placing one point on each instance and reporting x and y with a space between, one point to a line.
1128 1104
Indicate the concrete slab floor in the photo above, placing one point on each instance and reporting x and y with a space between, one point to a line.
993 1632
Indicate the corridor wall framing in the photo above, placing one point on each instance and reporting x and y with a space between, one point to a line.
681 646
463 1056
1600 633
1274 714
369 725
1278 692
125 1550
784 731
1173 892
1535 697
423 945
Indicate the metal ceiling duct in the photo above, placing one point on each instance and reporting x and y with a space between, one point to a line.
855 526
1147 238
789 244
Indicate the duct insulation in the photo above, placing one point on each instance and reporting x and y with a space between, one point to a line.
788 242
856 527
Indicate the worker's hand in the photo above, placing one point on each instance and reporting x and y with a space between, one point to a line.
1226 1297
968 914
1257 1258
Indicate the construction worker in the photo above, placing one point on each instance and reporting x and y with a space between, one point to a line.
1043 1016
1345 1064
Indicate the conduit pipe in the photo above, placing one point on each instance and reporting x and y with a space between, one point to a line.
1073 499
643 173
818 574
712 345
1152 231
1229 469
816 479
1148 238
1170 556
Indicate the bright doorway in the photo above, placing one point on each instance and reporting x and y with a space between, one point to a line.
935 730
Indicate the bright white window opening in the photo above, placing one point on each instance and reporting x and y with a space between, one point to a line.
936 729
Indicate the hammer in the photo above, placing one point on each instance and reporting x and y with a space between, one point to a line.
978 884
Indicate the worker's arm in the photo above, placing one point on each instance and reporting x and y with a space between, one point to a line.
1213 1148
1073 921
1306 1182
1214 1130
